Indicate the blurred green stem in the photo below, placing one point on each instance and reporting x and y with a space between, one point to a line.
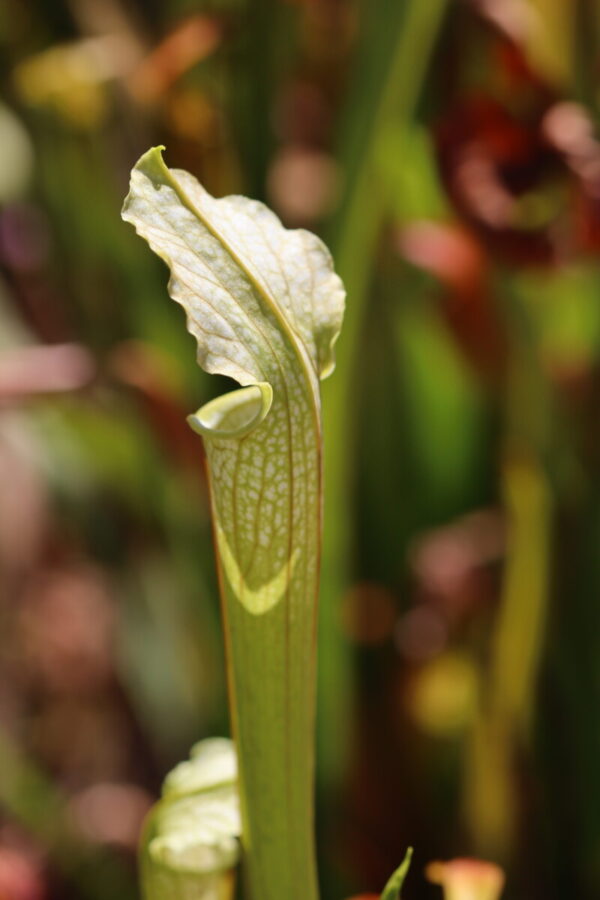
392 66
503 723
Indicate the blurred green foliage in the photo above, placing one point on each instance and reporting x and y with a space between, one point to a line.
448 153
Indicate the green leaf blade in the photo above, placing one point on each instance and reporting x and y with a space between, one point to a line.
394 886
